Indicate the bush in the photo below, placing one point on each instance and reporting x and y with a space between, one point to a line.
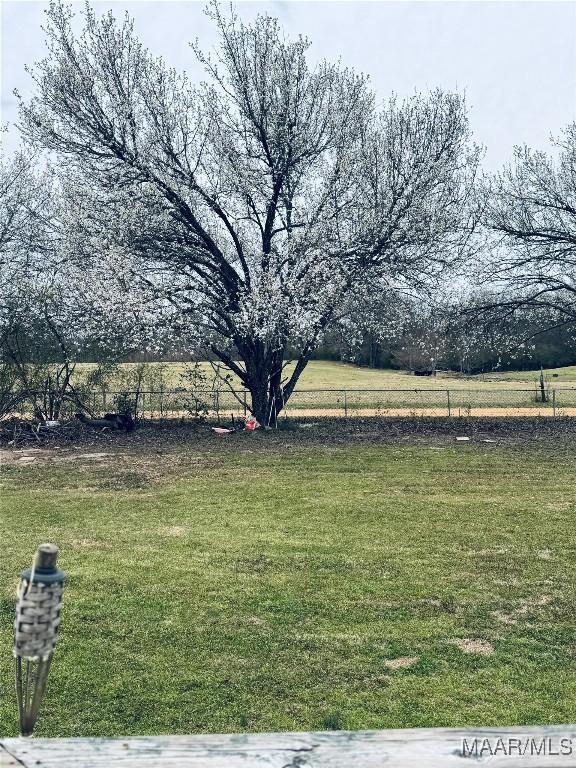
11 392
196 401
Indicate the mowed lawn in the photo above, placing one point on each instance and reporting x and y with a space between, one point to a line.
328 374
266 586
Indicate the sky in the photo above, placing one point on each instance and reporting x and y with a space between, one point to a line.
515 61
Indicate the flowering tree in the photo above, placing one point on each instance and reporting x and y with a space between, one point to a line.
24 206
252 206
35 364
25 219
49 306
531 211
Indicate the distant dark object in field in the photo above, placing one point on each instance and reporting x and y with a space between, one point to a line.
423 373
554 375
110 421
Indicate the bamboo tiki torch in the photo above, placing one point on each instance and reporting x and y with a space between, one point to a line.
39 598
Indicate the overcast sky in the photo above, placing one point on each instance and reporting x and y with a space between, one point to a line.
516 61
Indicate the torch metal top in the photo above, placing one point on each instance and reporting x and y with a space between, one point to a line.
46 556
45 570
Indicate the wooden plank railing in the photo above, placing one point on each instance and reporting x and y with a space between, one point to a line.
512 747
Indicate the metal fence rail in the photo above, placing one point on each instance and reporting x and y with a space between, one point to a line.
182 403
364 402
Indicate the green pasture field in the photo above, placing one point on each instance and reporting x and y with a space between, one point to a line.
259 583
321 374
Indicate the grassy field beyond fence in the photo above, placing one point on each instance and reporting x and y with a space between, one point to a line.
326 374
330 389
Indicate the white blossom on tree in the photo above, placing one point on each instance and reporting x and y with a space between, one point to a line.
531 214
254 204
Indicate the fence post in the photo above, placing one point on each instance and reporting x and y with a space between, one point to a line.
448 398
345 404
244 400
553 402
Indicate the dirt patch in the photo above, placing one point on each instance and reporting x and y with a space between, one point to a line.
431 412
24 456
172 530
440 411
167 436
95 456
486 552
255 621
466 645
528 605
402 662
85 544
522 610
504 618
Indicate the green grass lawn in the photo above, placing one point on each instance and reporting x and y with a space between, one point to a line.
262 585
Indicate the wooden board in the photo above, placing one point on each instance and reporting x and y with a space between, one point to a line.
543 747
6 760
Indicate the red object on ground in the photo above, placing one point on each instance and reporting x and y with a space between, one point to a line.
250 424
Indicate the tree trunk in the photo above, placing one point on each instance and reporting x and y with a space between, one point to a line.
264 382
259 397
261 375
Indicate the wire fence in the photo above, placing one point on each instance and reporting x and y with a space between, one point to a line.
221 404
